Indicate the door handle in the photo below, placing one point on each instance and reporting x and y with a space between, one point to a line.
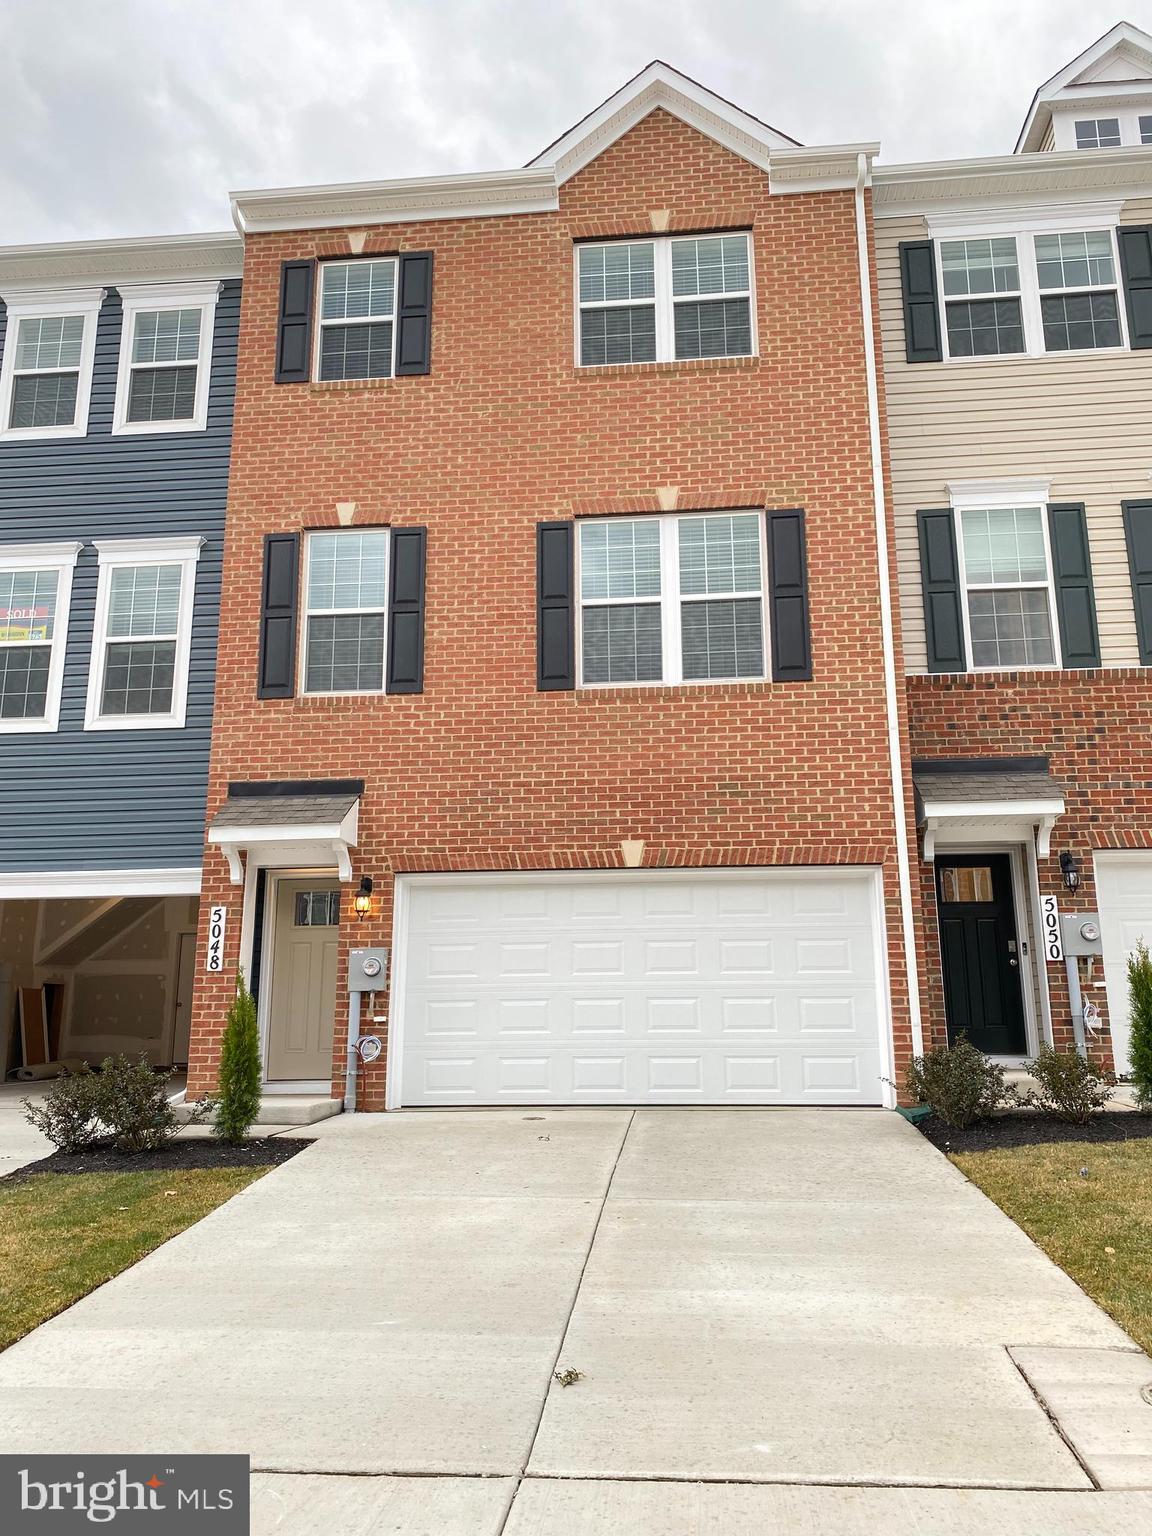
1013 961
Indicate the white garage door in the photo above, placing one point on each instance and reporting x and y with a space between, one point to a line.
638 989
1124 891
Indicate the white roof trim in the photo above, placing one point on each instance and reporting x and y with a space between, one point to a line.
659 86
903 189
476 194
821 168
107 263
58 884
327 842
535 187
1121 39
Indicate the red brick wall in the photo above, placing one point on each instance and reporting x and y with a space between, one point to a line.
481 771
1097 729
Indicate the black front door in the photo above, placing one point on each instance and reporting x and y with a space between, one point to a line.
981 955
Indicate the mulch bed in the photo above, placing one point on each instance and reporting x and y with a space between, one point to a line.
185 1152
1029 1130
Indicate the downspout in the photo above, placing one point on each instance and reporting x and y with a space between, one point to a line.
353 1053
892 698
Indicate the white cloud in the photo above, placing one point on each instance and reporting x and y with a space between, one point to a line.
138 116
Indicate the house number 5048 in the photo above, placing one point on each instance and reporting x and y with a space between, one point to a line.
214 957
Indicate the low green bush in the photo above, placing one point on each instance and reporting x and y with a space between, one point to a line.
960 1083
69 1115
1067 1086
238 1091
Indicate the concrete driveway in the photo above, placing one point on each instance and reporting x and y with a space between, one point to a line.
20 1143
759 1302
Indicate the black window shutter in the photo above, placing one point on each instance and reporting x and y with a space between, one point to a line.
940 576
294 329
788 597
278 617
414 314
555 602
406 610
1135 241
921 309
1138 533
1075 601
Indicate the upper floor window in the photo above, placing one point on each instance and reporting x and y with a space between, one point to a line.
1031 293
46 377
671 599
1006 574
346 600
357 314
35 587
643 301
1145 126
165 358
1098 133
142 635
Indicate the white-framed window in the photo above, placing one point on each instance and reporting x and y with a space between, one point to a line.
142 634
35 592
1144 125
1098 133
344 633
671 599
663 300
165 357
1009 599
46 375
356 315
1031 292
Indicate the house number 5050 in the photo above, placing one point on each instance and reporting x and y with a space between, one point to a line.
1053 948
214 956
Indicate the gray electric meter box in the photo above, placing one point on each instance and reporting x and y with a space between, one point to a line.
367 970
1080 932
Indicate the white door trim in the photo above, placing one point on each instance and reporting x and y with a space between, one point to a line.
404 884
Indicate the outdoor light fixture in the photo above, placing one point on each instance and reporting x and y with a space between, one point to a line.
1070 871
362 901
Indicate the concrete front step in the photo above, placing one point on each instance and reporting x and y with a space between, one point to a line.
285 1109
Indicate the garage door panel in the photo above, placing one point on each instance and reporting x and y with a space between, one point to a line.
641 990
1124 893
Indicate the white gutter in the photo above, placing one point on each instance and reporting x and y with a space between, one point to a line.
891 695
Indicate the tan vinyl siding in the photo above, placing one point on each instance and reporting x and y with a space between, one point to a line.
1082 421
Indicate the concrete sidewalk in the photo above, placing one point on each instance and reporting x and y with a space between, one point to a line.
756 1300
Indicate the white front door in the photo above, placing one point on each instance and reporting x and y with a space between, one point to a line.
1124 891
719 987
305 930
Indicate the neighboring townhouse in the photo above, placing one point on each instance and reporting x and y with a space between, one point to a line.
557 653
1016 298
117 371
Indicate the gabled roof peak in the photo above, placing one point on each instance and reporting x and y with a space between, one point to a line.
1112 68
660 85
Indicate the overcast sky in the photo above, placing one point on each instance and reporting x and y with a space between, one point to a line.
137 117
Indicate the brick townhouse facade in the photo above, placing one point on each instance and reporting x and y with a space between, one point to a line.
686 612
554 611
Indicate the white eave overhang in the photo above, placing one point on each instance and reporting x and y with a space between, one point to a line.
1055 176
108 263
320 844
1005 820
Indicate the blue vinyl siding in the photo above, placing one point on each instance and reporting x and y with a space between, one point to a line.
82 800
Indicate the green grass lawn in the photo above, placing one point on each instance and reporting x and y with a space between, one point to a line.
1099 1229
61 1235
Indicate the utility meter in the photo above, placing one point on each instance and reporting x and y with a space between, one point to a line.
367 970
1081 933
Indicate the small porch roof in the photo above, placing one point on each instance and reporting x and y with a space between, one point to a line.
992 797
318 818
